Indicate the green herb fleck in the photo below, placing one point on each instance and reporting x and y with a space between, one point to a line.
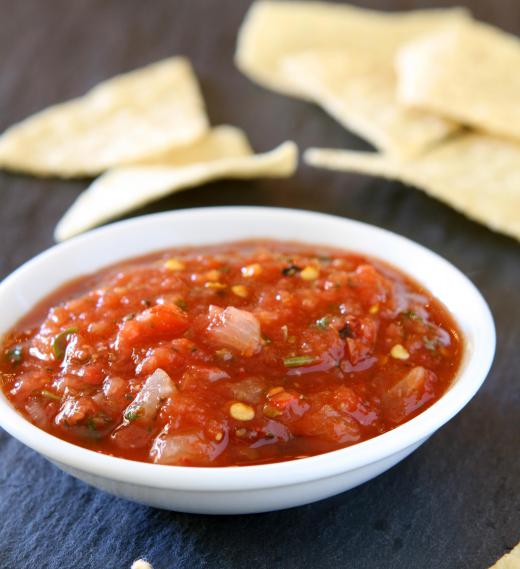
91 424
411 315
15 354
323 323
133 413
181 303
59 344
51 395
430 344
324 259
291 270
266 339
104 418
297 361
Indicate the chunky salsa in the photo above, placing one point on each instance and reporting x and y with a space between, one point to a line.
244 353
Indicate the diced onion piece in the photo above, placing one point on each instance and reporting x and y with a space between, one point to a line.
155 389
409 394
37 412
235 328
185 448
249 389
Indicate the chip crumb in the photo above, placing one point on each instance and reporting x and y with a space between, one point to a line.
399 352
141 564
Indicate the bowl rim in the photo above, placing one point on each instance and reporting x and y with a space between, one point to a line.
470 377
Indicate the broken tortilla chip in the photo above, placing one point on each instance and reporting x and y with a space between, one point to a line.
466 73
273 30
120 121
358 90
477 174
223 153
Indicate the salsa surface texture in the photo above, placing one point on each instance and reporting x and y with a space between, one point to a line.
243 353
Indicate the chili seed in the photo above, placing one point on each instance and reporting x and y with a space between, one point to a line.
242 412
399 352
310 273
251 270
240 290
215 286
174 265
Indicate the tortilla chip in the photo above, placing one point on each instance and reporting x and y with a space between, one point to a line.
220 142
224 153
273 30
469 73
358 90
124 119
476 174
509 561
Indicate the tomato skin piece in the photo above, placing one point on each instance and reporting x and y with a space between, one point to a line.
362 340
286 406
327 422
132 437
371 286
160 322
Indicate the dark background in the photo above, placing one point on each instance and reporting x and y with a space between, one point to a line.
454 503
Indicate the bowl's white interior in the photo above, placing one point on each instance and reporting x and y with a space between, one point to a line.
87 253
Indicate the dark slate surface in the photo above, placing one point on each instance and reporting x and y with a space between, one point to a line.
454 503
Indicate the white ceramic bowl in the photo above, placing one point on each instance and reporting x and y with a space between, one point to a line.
248 489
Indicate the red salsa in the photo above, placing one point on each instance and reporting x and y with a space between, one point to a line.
243 353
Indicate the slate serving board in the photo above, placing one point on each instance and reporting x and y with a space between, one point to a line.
454 503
